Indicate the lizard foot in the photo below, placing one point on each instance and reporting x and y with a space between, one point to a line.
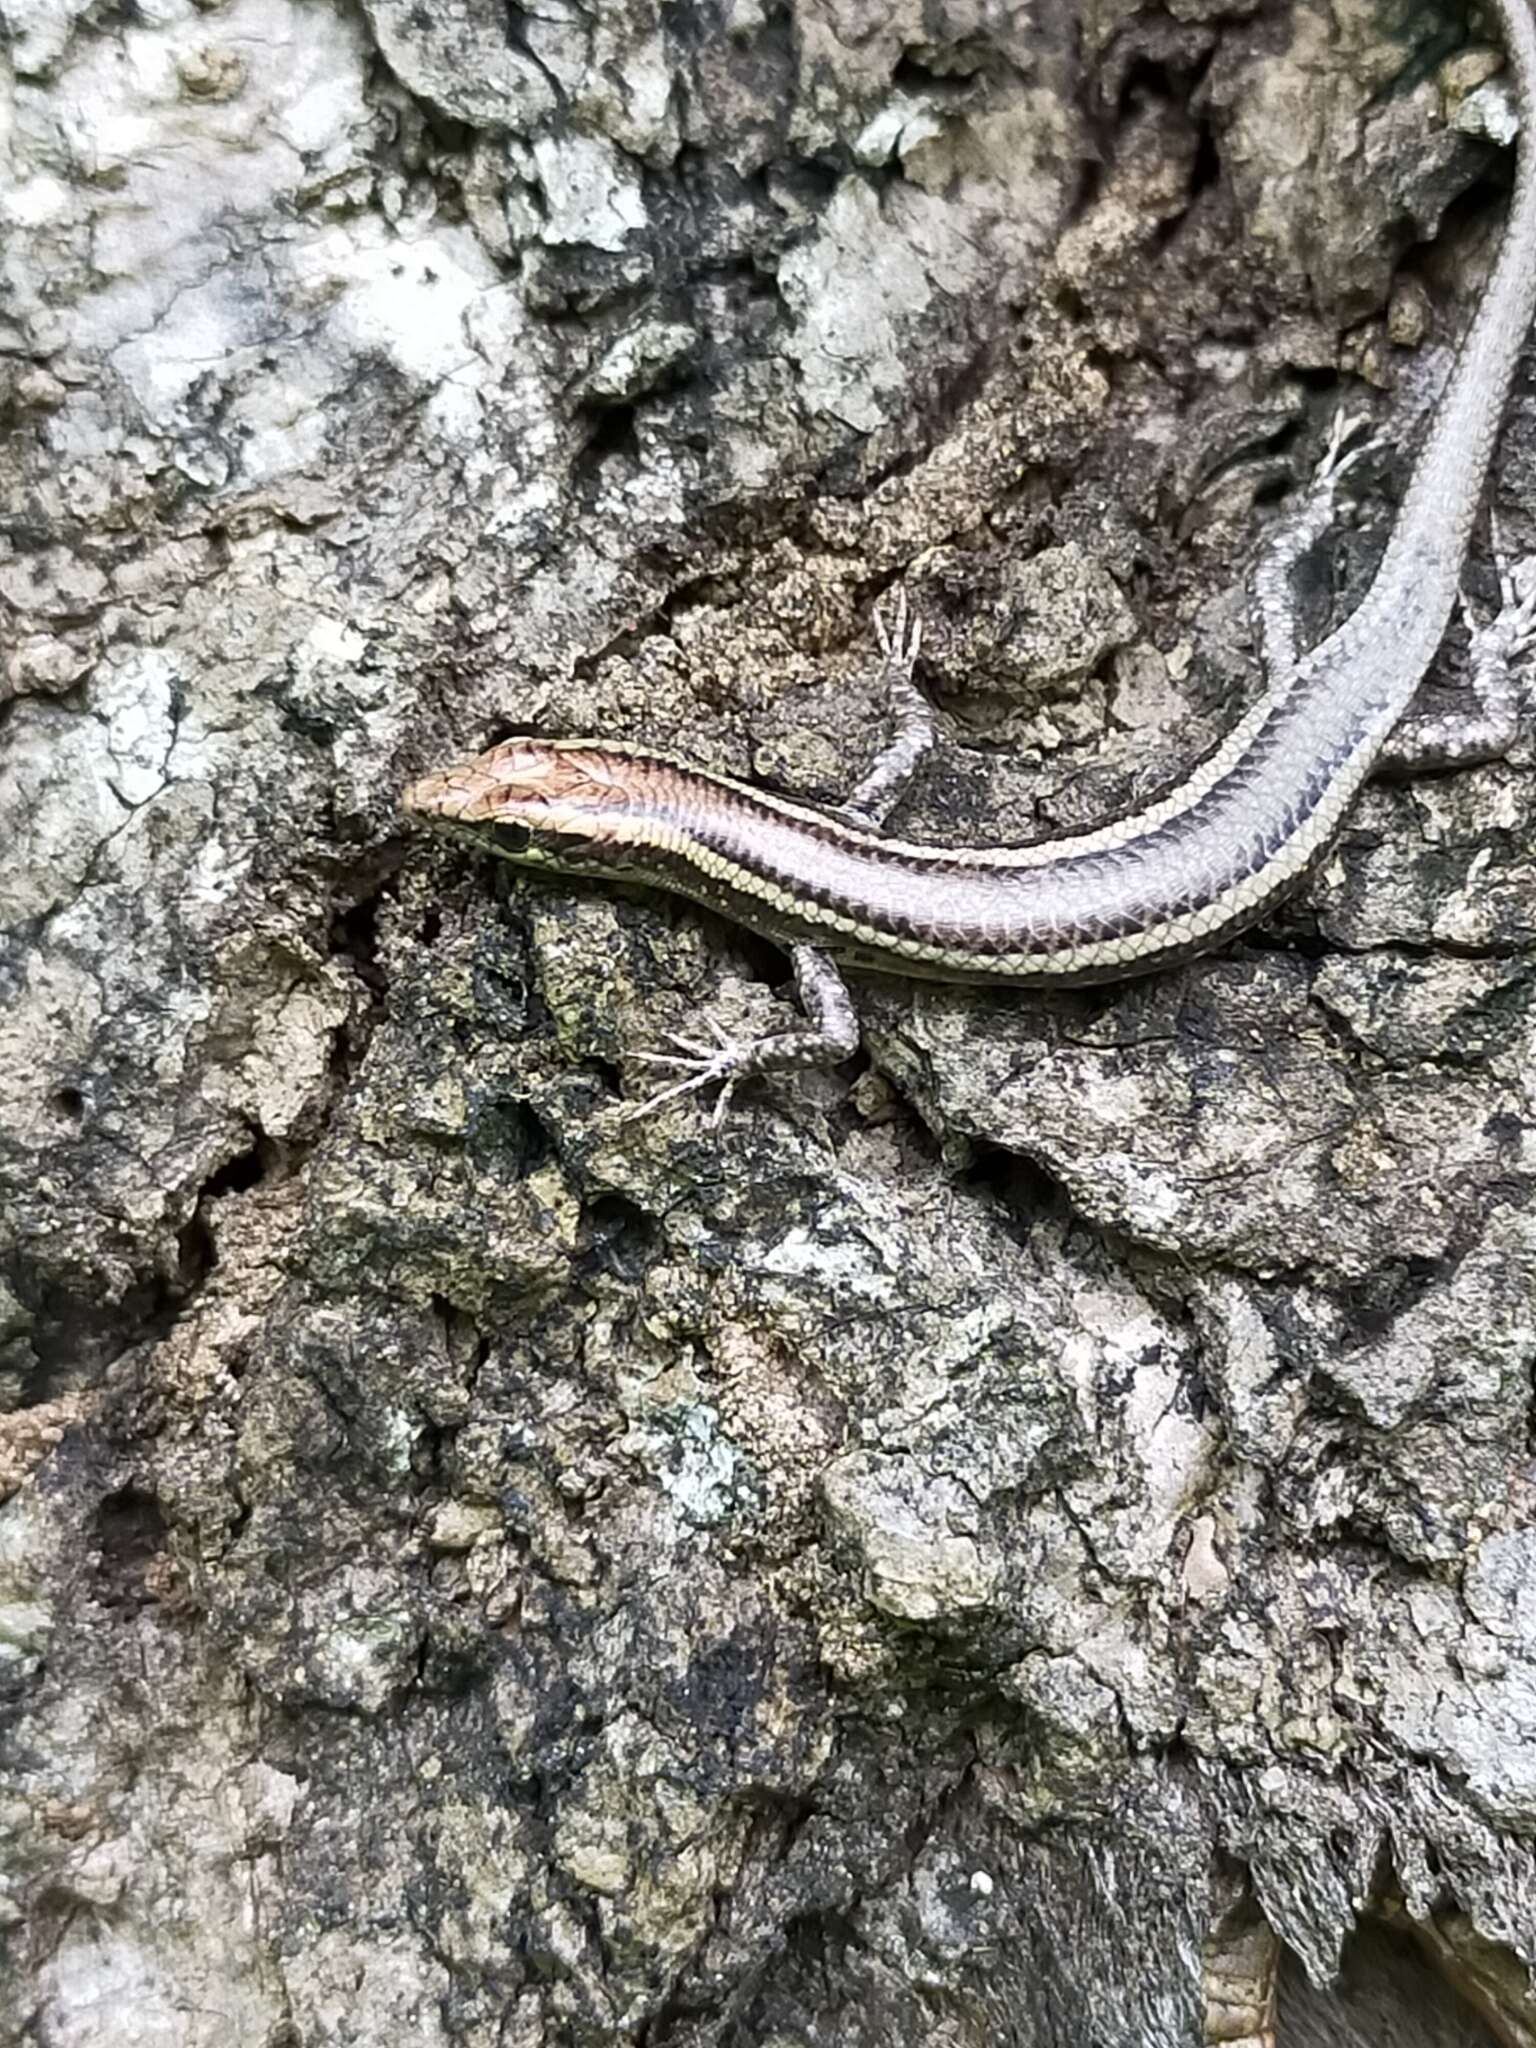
1338 456
727 1062
899 631
1511 632
829 1035
1497 648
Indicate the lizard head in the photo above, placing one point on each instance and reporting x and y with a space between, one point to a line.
539 801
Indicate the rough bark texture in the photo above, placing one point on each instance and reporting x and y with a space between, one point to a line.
480 1571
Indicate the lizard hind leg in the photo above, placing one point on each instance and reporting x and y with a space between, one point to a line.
1498 648
1273 602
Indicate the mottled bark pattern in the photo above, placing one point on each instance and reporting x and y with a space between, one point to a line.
481 1573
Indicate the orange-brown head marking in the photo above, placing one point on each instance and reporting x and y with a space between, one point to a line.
522 780
550 801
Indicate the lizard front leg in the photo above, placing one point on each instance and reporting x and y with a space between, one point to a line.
831 1031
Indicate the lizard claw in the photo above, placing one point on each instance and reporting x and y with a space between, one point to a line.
726 1063
1338 457
1516 580
1511 632
900 635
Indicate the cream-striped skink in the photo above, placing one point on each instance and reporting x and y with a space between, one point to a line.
1177 878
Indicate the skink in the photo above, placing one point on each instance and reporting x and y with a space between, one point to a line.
1209 859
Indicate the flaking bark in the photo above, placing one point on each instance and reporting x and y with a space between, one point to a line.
479 1571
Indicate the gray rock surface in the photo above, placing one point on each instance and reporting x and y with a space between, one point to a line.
479 1570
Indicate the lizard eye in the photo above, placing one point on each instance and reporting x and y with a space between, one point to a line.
513 839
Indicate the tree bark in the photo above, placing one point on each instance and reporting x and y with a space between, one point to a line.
480 1570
